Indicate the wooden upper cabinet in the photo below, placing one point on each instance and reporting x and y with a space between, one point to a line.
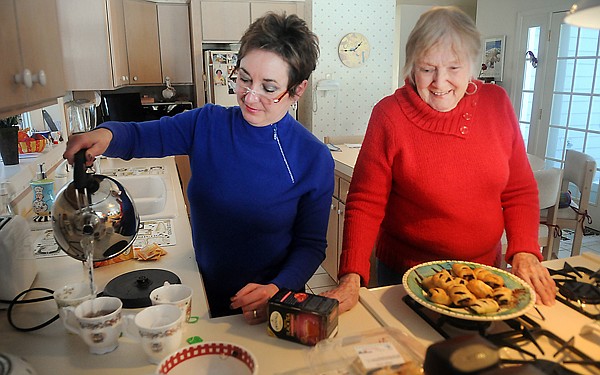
143 49
224 21
259 9
94 47
29 41
175 44
39 45
118 42
12 94
114 43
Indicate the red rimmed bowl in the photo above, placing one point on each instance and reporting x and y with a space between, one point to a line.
210 357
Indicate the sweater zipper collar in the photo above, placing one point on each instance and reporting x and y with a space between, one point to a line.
276 138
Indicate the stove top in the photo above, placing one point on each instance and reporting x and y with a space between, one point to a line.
521 341
578 288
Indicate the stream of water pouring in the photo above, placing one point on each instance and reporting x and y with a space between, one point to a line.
87 244
87 241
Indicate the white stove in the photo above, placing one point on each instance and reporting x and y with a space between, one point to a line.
561 339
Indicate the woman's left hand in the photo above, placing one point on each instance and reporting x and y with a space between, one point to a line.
528 267
252 299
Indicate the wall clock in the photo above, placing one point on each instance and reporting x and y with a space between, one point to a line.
354 50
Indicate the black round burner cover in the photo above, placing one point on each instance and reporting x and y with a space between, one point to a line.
580 291
133 288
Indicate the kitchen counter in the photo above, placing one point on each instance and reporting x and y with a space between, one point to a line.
385 303
345 159
51 350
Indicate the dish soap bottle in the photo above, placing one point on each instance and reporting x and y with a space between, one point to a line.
43 196
5 207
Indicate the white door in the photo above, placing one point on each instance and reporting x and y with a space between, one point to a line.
566 112
530 78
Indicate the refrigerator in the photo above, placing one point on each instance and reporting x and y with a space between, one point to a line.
220 76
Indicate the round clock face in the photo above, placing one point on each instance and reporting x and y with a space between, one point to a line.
354 50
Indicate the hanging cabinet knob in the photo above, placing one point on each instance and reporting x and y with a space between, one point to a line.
24 78
40 78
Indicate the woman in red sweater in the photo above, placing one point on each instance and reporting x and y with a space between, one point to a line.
442 171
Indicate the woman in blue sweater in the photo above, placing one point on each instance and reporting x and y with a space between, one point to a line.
261 183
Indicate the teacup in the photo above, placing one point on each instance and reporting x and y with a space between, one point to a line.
174 294
159 328
98 322
72 295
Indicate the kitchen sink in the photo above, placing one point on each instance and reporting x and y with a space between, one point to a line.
150 194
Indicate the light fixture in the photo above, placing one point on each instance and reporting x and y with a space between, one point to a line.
585 13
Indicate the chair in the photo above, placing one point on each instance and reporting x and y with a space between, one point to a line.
341 139
579 170
549 182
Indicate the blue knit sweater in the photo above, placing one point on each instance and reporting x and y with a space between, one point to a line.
259 196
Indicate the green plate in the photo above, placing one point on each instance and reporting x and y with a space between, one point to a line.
525 300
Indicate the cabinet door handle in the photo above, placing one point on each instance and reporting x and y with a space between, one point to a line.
40 78
24 78
135 78
340 212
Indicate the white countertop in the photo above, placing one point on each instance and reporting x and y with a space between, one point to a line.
345 159
51 350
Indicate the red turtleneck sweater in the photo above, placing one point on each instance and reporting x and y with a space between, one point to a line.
432 185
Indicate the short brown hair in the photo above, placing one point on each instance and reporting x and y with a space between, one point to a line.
446 24
289 38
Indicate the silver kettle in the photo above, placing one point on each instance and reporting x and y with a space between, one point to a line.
93 207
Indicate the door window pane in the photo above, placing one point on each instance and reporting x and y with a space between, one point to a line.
597 79
526 104
588 42
533 42
575 140
556 143
594 190
529 75
524 126
584 75
560 109
564 75
578 117
592 146
595 115
567 45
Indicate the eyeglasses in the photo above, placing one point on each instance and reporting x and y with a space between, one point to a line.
264 97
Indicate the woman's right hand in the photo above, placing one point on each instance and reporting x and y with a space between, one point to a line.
95 141
346 292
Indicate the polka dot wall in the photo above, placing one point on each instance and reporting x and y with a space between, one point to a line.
346 111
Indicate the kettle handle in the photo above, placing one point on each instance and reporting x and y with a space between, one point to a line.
81 178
